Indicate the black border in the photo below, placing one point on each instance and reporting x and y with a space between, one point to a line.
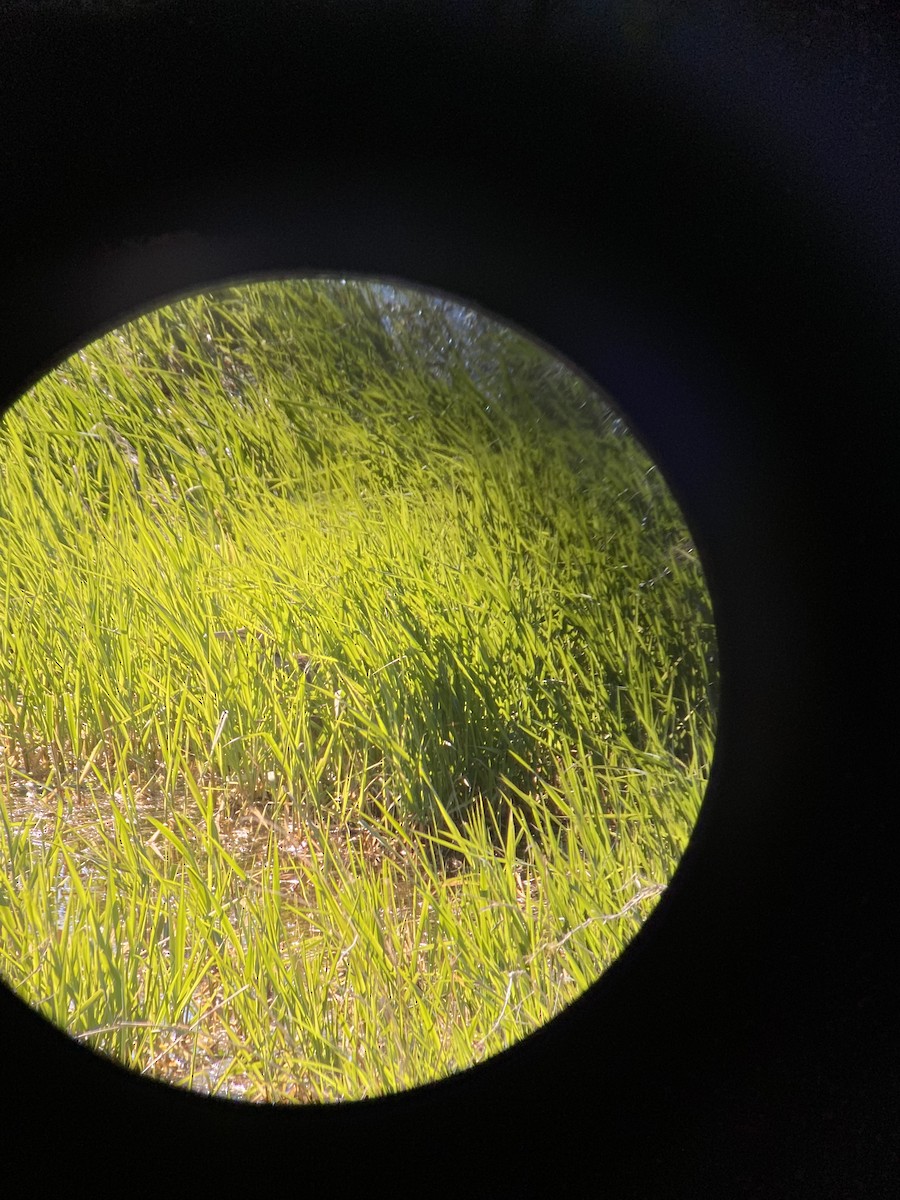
697 205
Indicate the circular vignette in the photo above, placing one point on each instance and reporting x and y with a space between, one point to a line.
725 1039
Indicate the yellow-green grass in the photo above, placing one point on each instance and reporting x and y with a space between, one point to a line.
321 884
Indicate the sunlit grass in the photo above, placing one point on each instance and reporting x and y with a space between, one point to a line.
355 710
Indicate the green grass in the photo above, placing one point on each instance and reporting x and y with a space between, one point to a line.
316 885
